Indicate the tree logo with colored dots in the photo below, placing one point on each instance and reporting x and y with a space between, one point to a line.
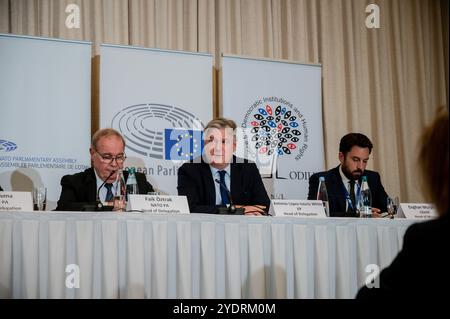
274 129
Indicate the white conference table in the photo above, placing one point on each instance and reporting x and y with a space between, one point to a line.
135 255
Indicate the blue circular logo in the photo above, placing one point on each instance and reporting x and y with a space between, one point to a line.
7 146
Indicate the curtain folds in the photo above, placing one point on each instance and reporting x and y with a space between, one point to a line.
386 82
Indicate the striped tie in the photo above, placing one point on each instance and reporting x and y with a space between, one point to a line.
109 195
223 191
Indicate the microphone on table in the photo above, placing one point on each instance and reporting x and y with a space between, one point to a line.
232 209
99 205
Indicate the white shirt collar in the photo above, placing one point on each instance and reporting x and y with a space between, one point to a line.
103 190
215 171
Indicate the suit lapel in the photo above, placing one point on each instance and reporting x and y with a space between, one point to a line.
236 182
210 187
338 189
91 183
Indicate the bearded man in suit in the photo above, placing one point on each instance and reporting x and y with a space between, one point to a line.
344 181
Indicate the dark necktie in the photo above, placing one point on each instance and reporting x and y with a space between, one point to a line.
352 196
109 195
223 191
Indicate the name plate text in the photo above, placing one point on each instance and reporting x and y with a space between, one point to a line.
158 204
16 201
298 208
417 211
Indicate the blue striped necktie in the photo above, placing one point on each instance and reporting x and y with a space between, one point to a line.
109 195
223 191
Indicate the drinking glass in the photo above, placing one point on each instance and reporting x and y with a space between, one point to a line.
396 204
119 203
390 204
39 198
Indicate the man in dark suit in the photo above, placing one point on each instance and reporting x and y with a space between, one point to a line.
1 189
343 182
206 181
79 191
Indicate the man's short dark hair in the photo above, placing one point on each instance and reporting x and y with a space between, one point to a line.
354 139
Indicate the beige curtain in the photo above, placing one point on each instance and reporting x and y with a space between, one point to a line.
386 82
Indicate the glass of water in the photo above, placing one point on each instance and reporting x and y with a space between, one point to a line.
39 198
396 204
390 204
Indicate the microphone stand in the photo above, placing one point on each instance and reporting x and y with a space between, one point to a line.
232 209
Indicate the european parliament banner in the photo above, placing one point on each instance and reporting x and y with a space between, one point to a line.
278 107
160 101
45 112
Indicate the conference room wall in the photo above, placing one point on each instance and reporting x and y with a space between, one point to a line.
386 82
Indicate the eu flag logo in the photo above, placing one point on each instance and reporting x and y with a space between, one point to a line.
183 144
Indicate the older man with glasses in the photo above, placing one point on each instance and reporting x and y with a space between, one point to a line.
98 183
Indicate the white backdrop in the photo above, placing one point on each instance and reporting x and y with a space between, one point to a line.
45 112
159 100
278 105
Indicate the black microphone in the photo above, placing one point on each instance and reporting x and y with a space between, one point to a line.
99 204
232 209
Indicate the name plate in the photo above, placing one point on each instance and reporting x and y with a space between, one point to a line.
16 201
158 204
417 211
297 208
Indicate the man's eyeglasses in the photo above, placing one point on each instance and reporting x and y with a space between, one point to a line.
108 159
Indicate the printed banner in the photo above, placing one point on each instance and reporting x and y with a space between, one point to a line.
160 101
45 112
278 107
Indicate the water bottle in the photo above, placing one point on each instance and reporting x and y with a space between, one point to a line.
119 195
322 195
365 210
131 186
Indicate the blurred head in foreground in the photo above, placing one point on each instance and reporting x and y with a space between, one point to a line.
433 161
